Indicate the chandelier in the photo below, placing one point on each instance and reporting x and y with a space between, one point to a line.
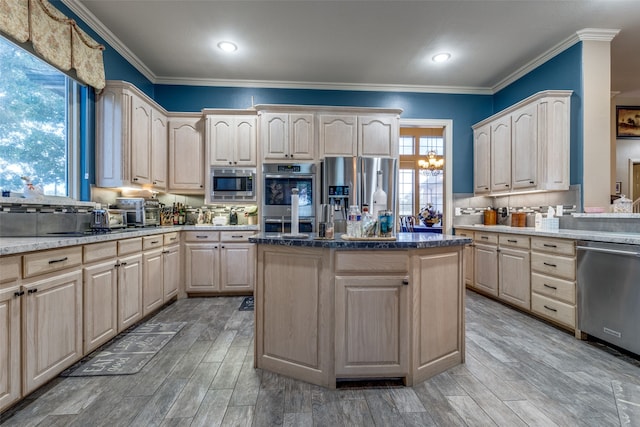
433 163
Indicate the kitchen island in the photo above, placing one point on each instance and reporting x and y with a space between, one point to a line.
332 310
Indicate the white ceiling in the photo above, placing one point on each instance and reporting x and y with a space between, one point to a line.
358 43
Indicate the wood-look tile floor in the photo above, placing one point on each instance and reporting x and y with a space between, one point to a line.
519 371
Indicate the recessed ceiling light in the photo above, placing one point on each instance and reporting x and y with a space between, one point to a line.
441 57
227 46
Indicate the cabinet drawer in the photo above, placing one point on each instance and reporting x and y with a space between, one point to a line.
150 242
554 246
554 309
554 265
465 233
129 246
10 267
236 236
53 260
98 251
553 287
170 238
202 236
372 261
514 241
486 238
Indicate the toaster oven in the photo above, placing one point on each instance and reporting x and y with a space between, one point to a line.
108 219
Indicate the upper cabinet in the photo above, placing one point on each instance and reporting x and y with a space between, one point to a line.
131 139
186 154
287 136
525 147
364 134
231 138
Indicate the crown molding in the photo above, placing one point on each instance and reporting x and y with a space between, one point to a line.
113 41
597 34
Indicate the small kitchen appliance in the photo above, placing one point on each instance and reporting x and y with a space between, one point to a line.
108 219
140 212
232 185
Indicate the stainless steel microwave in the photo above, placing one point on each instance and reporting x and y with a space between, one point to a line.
232 185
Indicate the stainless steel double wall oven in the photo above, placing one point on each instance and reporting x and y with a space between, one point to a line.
278 181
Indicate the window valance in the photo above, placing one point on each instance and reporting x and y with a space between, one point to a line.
56 38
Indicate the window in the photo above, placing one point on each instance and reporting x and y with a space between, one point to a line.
39 124
418 187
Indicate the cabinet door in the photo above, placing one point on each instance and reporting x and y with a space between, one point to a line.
482 160
129 291
100 304
553 137
486 268
220 137
301 142
469 256
171 265
245 141
112 137
371 326
140 141
10 354
338 135
52 334
524 147
378 136
274 135
514 275
159 138
186 154
501 154
237 266
202 268
152 281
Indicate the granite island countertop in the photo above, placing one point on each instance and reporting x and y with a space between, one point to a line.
596 236
403 241
17 245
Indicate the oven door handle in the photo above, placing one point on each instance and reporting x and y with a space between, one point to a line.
297 176
608 251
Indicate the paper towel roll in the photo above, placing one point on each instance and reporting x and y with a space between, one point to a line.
295 203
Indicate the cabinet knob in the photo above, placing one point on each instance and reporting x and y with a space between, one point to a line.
117 265
32 291
135 179
405 281
123 263
222 247
229 162
201 185
18 294
506 185
155 182
532 182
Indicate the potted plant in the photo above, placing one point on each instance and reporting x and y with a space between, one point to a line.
429 216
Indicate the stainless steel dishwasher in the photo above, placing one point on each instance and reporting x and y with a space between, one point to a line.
609 292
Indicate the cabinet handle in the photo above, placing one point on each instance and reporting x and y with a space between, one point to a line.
155 182
546 245
172 238
166 252
484 237
202 237
532 182
123 263
237 237
550 308
405 281
222 246
486 188
506 185
135 179
549 264
550 287
155 241
512 241
18 294
53 261
230 163
117 265
32 291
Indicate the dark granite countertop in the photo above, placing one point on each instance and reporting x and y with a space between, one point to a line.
403 241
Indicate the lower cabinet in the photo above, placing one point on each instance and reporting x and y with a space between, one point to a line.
10 349
52 321
100 304
469 257
171 271
219 262
486 263
514 271
152 274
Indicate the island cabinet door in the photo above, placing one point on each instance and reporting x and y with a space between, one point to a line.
372 331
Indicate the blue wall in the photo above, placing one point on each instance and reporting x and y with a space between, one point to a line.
561 72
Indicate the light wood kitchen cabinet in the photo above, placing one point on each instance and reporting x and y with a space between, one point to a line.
338 135
553 278
129 268
212 262
10 331
171 264
378 135
152 274
186 154
486 263
100 294
501 154
231 140
514 271
482 160
287 136
52 322
469 257
131 137
529 146
371 305
202 261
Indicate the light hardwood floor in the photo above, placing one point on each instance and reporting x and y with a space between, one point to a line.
519 371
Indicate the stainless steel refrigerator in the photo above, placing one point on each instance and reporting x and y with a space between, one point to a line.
352 181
